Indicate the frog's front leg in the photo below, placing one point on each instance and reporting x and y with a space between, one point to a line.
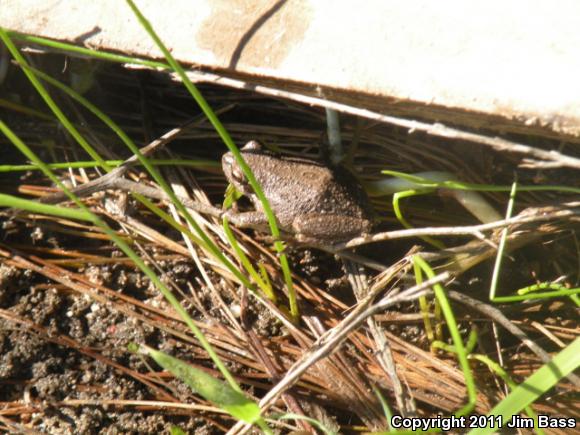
249 219
329 228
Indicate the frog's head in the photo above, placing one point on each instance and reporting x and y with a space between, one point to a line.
233 171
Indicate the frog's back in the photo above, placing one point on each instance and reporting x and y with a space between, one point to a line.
298 187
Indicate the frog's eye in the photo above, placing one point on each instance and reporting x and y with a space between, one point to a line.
237 174
253 145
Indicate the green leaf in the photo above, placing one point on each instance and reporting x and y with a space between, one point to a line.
210 388
37 207
231 196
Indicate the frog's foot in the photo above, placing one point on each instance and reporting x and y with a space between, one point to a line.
306 241
284 238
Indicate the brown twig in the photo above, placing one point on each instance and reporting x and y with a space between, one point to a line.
555 158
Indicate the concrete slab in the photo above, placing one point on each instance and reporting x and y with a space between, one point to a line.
515 62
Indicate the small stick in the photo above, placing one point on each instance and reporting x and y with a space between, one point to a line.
553 158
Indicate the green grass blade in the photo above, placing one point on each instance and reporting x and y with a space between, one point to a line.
424 304
225 136
7 104
537 384
124 246
102 55
247 264
219 393
422 182
399 214
155 174
50 102
443 301
499 371
197 163
501 247
36 207
544 295
385 405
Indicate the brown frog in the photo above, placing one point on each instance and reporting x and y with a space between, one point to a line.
312 202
